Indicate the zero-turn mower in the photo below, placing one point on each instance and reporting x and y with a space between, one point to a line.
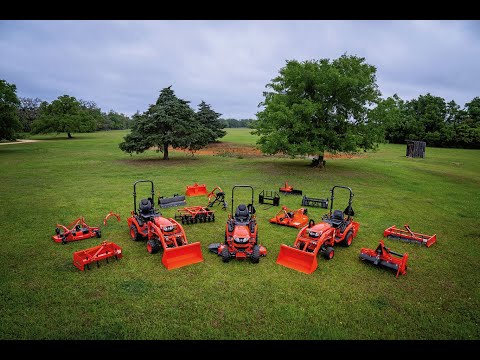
336 227
241 234
148 223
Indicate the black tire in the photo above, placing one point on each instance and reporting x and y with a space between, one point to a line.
311 223
255 258
329 253
183 220
256 238
98 233
57 231
64 240
134 233
153 246
213 217
226 255
179 242
347 241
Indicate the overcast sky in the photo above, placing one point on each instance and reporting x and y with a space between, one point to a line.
122 65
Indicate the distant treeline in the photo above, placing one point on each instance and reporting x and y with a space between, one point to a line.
237 123
32 110
429 118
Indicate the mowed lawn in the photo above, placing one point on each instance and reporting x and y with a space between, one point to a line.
43 296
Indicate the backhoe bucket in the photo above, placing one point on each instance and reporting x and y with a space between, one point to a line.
182 256
295 259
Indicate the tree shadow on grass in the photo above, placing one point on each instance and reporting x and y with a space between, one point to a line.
158 161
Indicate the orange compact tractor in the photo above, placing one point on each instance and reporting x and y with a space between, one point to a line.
336 227
241 234
287 217
148 223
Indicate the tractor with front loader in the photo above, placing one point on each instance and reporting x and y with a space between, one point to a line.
336 227
147 223
241 234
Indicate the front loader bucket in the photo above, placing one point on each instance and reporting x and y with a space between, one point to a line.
182 256
295 259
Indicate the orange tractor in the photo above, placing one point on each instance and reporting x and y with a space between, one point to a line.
148 223
241 234
336 227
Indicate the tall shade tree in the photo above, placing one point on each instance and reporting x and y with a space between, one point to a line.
211 120
28 112
317 106
9 102
64 115
169 122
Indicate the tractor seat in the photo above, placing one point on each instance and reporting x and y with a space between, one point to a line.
337 218
241 214
146 208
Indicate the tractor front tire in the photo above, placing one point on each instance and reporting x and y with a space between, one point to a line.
153 246
134 232
328 254
347 241
255 258
226 255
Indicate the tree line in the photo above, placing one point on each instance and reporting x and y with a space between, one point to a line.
65 114
237 123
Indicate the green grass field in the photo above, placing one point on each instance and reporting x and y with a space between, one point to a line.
43 296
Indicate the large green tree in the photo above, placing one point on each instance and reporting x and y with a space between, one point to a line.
9 102
168 122
211 120
317 106
64 115
28 112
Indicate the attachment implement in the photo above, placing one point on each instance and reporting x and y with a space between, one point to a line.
196 190
409 236
76 230
289 190
383 256
103 251
287 217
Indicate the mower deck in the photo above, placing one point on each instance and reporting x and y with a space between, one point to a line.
287 217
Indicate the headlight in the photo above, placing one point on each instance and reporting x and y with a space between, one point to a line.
314 234
168 228
240 240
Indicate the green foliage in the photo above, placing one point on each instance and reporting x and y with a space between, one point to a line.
66 115
318 106
238 123
92 113
169 122
429 118
9 102
115 121
211 120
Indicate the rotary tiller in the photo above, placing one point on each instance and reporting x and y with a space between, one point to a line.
76 230
105 250
409 236
333 229
383 256
241 234
147 223
287 217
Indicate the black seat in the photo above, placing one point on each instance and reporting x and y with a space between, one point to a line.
241 214
337 218
146 208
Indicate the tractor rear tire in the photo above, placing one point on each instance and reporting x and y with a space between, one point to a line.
347 241
153 246
328 254
226 255
255 258
134 233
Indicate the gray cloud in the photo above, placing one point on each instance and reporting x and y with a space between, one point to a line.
122 65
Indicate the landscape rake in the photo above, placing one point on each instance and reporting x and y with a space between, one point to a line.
409 236
104 251
383 256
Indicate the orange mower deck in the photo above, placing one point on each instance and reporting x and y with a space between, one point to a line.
287 217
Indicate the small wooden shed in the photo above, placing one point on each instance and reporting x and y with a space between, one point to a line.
416 149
